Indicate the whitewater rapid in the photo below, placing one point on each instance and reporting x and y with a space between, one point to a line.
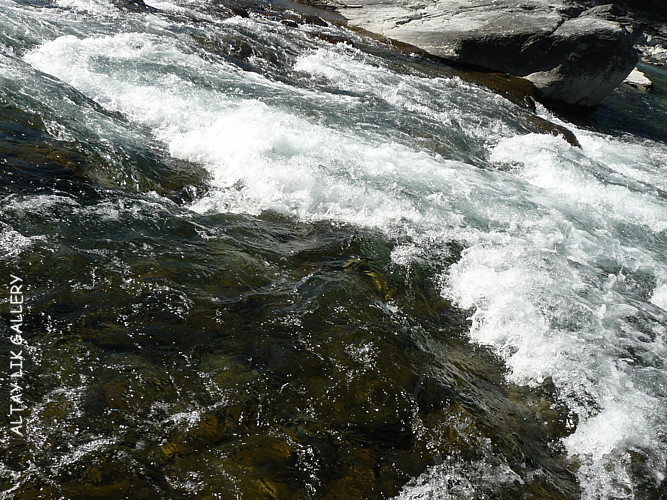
564 266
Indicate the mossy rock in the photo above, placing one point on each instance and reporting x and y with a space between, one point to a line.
375 275
208 432
267 450
54 411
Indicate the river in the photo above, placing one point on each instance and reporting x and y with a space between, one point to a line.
268 257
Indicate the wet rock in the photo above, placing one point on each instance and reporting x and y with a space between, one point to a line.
610 12
269 450
376 276
654 54
653 46
239 11
587 58
518 90
206 433
118 488
358 482
114 394
106 477
315 20
554 129
333 39
55 411
107 335
572 56
134 6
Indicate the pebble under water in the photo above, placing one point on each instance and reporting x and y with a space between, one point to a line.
265 257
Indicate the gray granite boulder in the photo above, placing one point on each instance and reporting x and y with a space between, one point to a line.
573 55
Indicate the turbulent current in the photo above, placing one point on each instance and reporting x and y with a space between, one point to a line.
267 257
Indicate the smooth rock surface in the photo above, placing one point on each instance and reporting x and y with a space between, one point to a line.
639 80
573 55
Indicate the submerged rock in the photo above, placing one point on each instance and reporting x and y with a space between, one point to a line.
134 6
574 56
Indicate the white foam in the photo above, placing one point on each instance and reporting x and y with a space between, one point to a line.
96 7
554 272
455 479
39 203
166 6
659 296
548 317
351 70
13 243
571 174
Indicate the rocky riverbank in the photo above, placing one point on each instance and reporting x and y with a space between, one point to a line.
652 44
574 54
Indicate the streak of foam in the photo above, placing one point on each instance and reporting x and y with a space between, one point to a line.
13 243
95 7
456 479
351 72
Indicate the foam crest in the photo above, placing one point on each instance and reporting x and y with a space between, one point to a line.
262 158
561 301
574 176
350 70
13 243
456 479
659 296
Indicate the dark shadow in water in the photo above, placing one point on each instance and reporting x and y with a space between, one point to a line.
628 110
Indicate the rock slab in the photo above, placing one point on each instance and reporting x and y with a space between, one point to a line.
638 80
573 55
